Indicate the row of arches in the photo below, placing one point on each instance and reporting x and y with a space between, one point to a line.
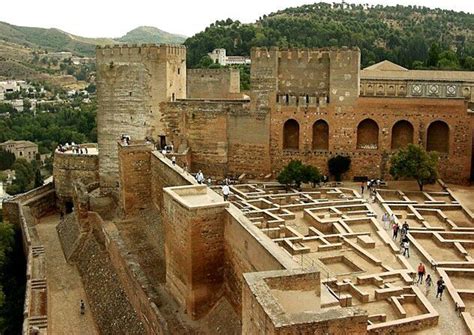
437 137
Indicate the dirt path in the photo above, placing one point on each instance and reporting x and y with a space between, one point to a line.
65 288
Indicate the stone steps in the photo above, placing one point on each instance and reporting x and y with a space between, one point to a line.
38 284
37 250
40 322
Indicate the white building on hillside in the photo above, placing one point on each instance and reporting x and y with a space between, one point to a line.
219 56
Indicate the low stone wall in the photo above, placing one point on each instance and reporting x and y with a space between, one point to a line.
23 210
247 249
165 174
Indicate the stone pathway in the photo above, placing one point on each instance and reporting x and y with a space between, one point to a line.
449 321
65 288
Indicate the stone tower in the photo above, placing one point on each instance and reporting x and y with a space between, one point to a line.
132 81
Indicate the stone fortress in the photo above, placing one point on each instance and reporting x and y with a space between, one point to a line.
157 253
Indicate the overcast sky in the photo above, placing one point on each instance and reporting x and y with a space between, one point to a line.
113 18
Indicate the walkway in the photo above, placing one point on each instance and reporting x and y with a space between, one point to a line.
65 288
449 321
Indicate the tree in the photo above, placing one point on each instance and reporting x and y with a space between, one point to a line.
24 177
296 173
39 180
338 165
414 162
6 159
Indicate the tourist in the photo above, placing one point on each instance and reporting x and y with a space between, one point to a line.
173 160
421 273
392 218
200 177
440 288
86 150
395 229
406 248
82 307
362 187
163 152
428 281
209 182
225 191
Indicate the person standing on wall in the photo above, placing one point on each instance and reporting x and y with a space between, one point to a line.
225 191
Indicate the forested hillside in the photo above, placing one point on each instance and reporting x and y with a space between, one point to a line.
414 37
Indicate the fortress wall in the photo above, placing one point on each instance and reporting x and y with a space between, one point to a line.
194 249
69 168
213 83
164 174
135 177
343 123
131 84
225 137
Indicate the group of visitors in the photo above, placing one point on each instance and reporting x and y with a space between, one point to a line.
75 148
440 285
388 220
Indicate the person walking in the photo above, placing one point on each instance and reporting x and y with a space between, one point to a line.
173 160
395 229
386 221
225 191
406 249
421 273
82 307
362 187
200 177
440 288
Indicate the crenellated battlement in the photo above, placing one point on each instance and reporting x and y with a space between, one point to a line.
135 52
304 54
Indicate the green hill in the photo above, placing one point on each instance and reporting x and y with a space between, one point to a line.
414 37
150 35
57 40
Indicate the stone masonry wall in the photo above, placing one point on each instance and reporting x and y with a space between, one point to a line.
164 174
225 137
135 177
132 81
69 168
245 252
343 123
194 249
213 83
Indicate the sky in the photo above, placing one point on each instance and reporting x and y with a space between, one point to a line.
113 18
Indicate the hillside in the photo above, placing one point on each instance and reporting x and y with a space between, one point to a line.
150 35
414 37
21 49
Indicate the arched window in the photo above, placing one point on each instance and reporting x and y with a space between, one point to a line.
291 135
402 134
368 135
320 135
437 138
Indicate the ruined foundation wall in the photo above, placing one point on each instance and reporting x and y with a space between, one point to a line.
246 251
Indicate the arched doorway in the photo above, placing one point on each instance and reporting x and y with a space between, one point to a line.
402 134
437 138
368 135
320 135
291 135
